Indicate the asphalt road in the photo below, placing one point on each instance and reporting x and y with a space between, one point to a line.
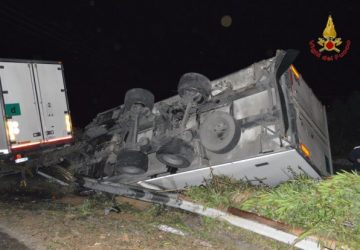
7 243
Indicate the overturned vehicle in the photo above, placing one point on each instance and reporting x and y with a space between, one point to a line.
262 124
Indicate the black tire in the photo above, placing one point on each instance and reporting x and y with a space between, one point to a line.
194 86
220 132
176 153
139 96
132 162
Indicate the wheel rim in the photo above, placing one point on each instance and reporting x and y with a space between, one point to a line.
219 132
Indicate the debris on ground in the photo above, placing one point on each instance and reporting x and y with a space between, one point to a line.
78 222
172 230
115 209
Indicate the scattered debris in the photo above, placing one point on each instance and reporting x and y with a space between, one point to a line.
75 222
115 209
170 200
172 230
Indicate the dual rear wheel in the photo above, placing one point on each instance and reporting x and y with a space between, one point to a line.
219 133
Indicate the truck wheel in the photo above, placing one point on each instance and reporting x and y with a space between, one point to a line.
132 162
176 153
195 87
138 96
219 133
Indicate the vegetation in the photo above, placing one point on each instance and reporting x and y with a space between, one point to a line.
221 192
328 208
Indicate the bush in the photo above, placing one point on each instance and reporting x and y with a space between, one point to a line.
329 208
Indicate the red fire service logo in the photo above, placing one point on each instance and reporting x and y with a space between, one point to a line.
329 47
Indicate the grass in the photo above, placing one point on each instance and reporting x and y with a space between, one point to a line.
211 230
221 192
87 207
214 230
328 208
136 226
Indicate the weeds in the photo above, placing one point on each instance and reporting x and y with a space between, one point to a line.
328 208
154 211
92 204
219 192
86 208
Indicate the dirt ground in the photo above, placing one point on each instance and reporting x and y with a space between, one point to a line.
53 219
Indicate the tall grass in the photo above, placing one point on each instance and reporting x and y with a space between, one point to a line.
220 192
328 208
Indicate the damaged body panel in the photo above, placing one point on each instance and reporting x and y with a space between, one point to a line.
262 123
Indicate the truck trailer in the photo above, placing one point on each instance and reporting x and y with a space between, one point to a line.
262 124
34 110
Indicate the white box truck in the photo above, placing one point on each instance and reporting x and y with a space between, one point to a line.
34 110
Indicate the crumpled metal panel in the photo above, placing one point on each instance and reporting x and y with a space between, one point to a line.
269 169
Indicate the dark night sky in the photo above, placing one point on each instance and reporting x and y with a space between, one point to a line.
108 47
